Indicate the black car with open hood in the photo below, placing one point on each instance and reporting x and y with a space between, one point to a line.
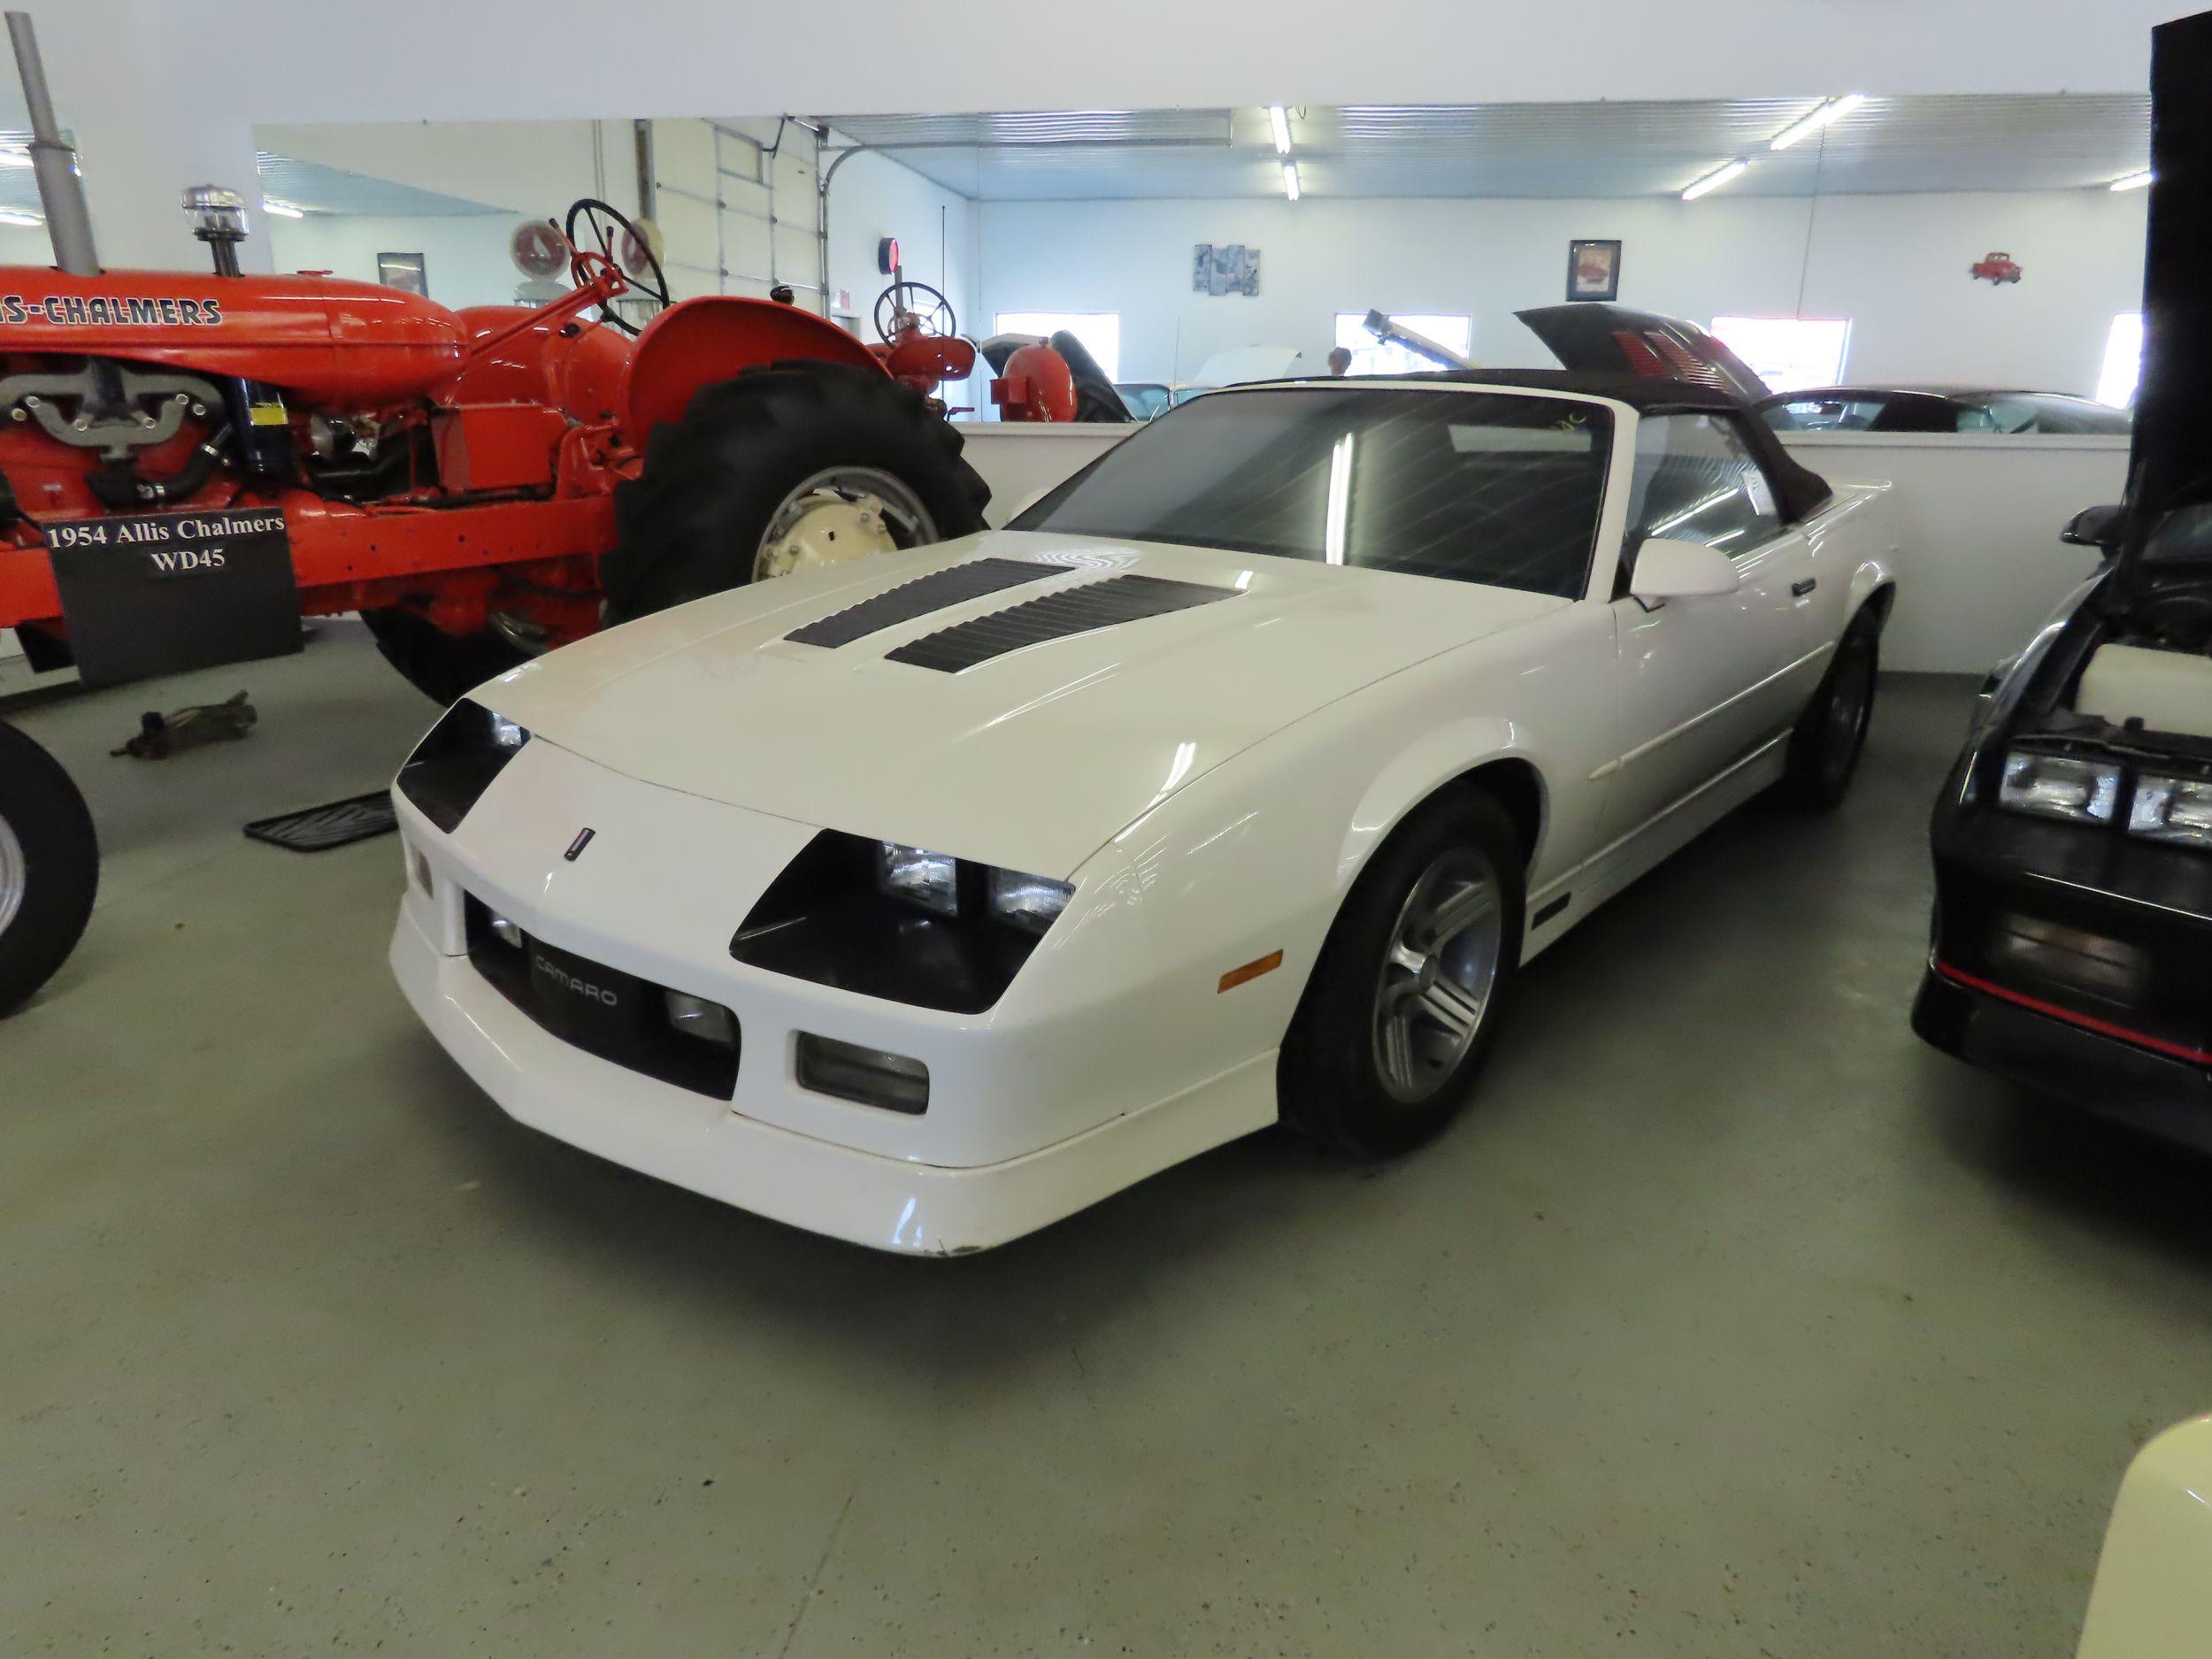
2073 838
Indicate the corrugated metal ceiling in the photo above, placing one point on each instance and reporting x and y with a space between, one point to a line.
1887 146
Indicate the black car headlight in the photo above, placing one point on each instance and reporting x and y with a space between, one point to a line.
2060 786
2175 810
452 767
904 922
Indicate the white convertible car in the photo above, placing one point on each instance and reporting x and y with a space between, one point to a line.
925 899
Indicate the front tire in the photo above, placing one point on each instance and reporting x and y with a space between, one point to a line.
767 471
1404 1001
50 867
1831 734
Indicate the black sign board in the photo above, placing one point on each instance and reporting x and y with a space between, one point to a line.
154 593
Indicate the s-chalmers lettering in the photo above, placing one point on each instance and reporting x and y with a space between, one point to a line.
104 311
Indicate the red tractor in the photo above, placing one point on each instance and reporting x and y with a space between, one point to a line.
190 462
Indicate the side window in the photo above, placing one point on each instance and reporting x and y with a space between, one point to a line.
1824 414
1696 483
2002 414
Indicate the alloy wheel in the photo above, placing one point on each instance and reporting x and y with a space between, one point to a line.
1437 978
14 875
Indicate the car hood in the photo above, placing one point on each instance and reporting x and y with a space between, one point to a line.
1033 758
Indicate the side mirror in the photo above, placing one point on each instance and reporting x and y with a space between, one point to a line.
2096 527
1681 570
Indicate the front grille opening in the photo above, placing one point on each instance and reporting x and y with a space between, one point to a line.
2041 953
674 1036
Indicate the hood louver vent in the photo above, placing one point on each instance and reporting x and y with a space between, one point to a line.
938 591
1056 616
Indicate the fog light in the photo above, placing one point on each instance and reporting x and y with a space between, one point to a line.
695 1016
506 932
869 1076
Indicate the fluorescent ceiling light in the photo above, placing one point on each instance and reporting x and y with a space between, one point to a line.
2134 181
1278 119
1834 109
1290 179
1714 180
282 210
9 216
15 158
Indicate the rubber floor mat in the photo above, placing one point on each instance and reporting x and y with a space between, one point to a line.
317 829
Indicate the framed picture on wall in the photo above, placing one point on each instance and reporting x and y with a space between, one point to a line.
1593 269
402 271
1225 268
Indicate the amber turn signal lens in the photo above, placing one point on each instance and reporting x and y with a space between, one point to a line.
1251 969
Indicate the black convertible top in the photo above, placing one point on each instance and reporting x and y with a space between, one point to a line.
1799 490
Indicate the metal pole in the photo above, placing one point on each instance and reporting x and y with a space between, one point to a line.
60 191
647 186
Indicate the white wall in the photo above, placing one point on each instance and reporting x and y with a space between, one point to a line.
1895 265
1976 517
874 196
536 168
464 258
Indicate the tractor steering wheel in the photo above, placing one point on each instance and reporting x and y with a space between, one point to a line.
930 311
612 237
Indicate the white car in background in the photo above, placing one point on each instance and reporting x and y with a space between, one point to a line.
926 899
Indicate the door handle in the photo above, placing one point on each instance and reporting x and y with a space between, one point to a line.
1798 590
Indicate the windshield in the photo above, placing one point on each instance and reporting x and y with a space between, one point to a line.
1472 486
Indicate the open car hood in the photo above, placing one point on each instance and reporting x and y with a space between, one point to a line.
1594 337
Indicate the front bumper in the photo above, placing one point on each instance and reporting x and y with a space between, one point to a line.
2162 1094
693 1141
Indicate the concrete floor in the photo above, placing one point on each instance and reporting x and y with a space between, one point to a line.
1732 1322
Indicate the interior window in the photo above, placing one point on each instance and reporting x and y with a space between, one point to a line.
1695 481
1099 330
1788 353
1369 356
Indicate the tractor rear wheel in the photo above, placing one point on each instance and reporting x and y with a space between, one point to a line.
789 466
441 665
50 866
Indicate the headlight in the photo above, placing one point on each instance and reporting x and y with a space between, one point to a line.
2178 810
453 767
900 922
1029 902
931 881
2057 786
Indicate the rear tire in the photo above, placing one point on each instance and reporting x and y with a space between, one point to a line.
1831 734
694 521
442 666
50 867
1344 1078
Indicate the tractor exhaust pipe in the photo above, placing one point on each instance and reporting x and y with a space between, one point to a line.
60 191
